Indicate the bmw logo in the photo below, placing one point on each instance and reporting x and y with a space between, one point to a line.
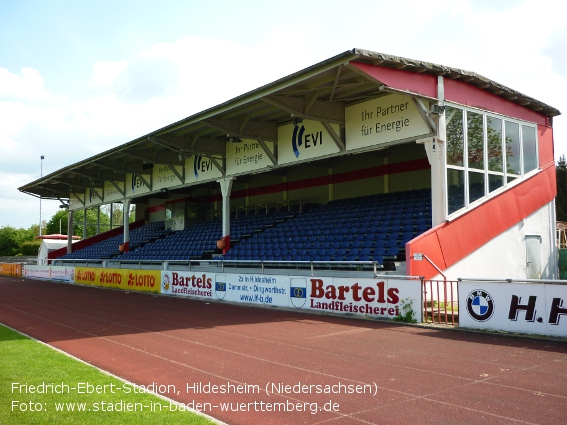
480 305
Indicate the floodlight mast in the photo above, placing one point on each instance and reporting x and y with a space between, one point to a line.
40 176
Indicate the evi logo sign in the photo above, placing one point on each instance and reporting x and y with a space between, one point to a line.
136 185
302 140
305 140
200 168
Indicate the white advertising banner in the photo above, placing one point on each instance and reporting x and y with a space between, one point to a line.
37 272
382 120
163 176
377 298
200 285
63 274
201 168
533 308
60 273
111 193
136 186
76 201
249 288
93 196
307 140
247 156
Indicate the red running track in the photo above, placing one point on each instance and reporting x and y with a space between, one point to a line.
417 375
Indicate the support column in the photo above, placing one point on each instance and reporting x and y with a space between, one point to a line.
438 164
111 216
70 232
98 220
126 218
84 224
226 188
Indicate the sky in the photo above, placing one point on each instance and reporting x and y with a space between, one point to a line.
81 77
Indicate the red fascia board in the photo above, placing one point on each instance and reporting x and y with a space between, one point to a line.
399 79
475 97
450 242
156 208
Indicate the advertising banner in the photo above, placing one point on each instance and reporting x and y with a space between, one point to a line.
247 156
533 308
126 279
93 196
249 288
306 140
377 298
382 120
63 274
76 201
200 168
163 176
135 185
37 272
111 193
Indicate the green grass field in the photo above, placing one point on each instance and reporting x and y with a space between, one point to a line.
25 363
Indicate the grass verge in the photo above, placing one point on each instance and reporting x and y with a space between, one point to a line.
25 363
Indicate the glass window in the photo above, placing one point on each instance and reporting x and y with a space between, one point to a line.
494 143
497 151
495 181
456 189
476 186
475 140
512 147
455 141
529 148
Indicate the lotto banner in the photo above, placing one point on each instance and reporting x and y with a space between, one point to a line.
126 279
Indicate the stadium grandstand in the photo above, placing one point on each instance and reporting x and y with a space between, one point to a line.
364 160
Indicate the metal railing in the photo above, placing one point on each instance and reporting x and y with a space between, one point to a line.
259 265
440 302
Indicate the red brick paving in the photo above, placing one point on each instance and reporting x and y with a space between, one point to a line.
419 374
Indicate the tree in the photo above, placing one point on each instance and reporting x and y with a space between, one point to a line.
11 240
58 222
561 200
29 248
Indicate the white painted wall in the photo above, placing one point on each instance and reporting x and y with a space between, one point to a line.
505 256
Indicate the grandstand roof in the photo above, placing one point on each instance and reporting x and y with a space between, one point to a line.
319 92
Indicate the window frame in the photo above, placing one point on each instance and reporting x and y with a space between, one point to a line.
504 174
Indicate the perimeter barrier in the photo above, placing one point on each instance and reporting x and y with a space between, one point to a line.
349 292
11 269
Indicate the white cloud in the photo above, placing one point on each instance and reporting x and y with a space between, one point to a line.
28 86
105 72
